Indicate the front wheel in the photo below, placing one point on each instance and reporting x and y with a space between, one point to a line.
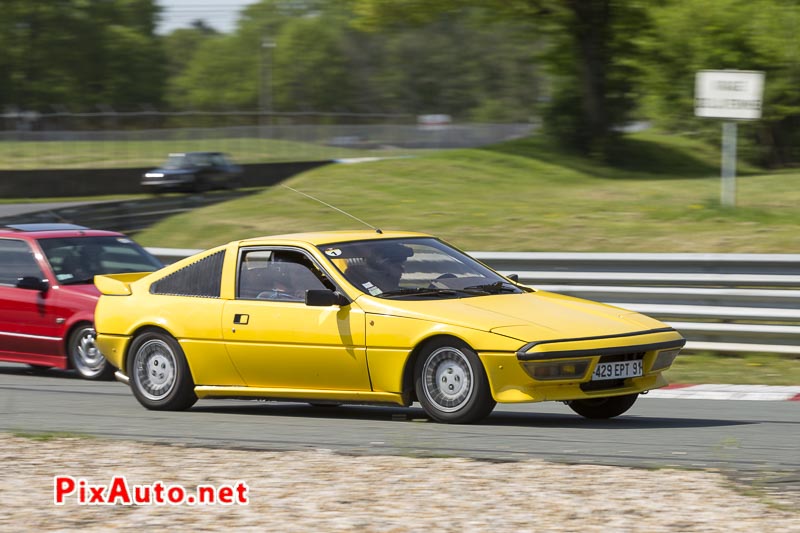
158 372
85 357
601 408
451 383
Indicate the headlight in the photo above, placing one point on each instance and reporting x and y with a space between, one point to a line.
664 359
154 175
572 369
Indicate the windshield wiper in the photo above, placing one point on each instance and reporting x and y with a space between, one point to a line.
495 288
424 291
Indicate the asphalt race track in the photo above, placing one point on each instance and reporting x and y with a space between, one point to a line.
755 440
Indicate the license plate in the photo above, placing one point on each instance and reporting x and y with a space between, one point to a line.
618 370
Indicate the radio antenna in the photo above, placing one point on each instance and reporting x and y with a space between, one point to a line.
377 230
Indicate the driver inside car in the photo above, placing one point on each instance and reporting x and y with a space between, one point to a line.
381 269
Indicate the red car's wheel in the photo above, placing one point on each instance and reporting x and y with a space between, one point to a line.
85 357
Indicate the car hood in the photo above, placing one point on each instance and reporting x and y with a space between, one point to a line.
87 290
527 316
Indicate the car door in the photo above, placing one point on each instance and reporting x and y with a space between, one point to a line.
277 341
31 320
220 169
206 170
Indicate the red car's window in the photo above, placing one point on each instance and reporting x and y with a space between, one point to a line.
79 259
17 261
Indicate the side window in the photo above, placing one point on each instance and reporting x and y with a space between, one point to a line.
201 160
279 275
17 261
202 278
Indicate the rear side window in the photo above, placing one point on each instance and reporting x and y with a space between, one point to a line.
201 279
17 261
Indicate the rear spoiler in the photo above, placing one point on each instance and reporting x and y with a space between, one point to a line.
117 284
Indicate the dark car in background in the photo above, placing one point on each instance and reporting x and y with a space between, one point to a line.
193 172
48 297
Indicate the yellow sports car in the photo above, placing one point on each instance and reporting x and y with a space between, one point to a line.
370 317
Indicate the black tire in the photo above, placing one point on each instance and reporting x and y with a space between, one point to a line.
84 357
602 408
451 383
158 372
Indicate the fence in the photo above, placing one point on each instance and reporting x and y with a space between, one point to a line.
123 140
724 303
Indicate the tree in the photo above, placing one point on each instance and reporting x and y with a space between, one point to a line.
464 65
311 68
469 65
180 47
727 34
80 53
222 74
591 41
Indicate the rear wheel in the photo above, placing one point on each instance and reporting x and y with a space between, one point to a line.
451 383
600 408
85 357
158 372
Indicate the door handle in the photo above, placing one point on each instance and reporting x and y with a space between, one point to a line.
239 318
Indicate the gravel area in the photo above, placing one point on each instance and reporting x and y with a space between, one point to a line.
325 491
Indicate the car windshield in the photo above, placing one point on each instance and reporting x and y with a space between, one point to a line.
414 268
78 259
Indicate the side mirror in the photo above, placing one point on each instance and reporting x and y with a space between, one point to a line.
325 298
33 283
513 277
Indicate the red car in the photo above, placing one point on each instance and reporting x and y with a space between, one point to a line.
47 294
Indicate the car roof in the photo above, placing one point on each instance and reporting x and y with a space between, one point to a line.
52 231
331 237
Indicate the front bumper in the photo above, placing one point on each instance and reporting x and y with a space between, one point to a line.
511 380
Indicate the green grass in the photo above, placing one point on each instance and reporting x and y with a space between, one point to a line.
751 369
525 196
144 153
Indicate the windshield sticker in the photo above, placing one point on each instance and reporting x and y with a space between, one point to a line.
372 289
123 240
333 252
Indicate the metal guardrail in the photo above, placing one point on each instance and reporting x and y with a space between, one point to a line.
126 216
724 303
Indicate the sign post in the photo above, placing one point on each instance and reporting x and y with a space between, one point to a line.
728 194
733 95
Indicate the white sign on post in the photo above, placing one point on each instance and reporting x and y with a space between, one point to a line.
733 95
